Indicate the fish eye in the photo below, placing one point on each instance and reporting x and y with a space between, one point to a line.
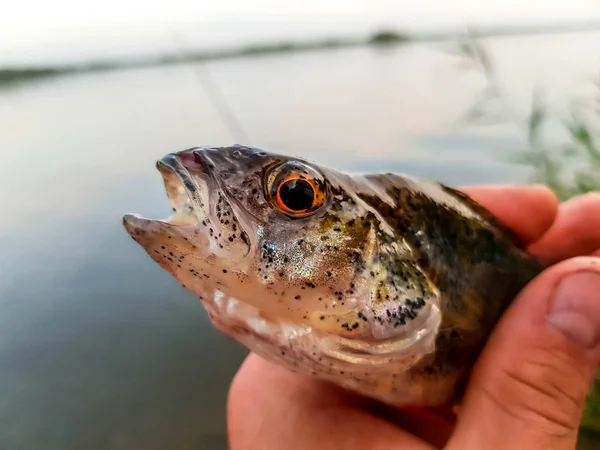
296 189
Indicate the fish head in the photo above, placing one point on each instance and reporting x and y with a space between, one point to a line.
289 261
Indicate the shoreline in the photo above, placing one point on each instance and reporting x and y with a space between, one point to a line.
380 38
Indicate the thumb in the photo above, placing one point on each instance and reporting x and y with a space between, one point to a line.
529 387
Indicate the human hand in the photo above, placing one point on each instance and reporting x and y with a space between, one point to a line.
527 390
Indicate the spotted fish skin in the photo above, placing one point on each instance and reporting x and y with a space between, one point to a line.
380 283
478 266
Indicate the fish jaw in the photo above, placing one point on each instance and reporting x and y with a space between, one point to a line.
380 371
195 243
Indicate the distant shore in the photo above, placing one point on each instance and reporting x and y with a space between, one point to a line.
16 74
10 75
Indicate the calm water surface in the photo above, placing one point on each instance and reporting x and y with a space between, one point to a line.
102 349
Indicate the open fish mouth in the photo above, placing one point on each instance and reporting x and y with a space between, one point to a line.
189 196
188 193
206 219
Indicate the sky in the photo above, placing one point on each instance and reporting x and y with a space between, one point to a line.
40 31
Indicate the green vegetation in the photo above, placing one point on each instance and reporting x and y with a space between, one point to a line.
22 74
569 169
591 415
387 38
287 47
13 75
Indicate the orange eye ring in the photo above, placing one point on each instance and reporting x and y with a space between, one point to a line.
296 189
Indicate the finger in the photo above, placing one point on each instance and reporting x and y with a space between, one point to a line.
429 424
528 210
576 231
270 408
529 388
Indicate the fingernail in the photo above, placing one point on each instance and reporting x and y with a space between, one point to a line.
575 308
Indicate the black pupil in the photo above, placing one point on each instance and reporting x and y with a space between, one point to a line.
297 195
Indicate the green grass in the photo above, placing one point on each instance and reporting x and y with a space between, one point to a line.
569 169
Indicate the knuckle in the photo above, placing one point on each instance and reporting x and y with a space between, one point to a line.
546 390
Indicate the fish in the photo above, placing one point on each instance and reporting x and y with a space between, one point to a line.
380 283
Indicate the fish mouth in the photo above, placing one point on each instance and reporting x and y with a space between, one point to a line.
187 183
204 212
188 194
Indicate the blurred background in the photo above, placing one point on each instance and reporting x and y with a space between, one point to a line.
102 349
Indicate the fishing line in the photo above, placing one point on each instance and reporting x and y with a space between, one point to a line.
230 121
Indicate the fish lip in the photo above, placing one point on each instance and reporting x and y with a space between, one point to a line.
192 183
186 185
187 193
170 163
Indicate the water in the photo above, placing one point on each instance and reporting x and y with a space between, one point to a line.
99 347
